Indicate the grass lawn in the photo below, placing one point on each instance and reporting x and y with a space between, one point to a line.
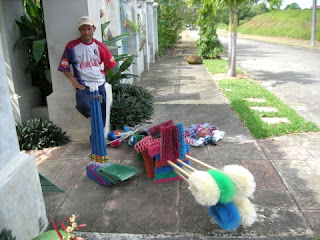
237 90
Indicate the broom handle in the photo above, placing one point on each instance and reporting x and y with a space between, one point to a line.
186 165
181 175
126 135
178 168
200 163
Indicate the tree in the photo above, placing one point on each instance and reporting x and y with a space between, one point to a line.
233 6
292 6
314 20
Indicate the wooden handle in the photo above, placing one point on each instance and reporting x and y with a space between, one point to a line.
181 175
179 169
186 165
200 163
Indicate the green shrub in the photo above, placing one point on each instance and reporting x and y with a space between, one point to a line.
40 133
6 234
131 105
208 45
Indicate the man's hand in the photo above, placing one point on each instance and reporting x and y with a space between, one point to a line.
74 82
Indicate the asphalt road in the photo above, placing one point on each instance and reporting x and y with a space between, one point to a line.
291 73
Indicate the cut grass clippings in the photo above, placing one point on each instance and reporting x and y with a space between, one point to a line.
237 90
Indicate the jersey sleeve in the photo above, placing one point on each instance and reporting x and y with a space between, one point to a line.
64 65
106 57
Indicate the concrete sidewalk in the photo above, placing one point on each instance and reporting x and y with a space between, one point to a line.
286 170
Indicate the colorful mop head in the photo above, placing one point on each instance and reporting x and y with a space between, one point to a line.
227 216
204 189
226 186
243 180
155 130
247 211
169 147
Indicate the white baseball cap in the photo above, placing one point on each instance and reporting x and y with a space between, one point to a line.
85 20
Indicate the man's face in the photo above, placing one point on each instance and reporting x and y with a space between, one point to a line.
86 32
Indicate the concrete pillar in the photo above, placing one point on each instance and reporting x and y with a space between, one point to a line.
61 27
133 40
144 36
112 14
22 207
155 24
23 95
140 38
150 29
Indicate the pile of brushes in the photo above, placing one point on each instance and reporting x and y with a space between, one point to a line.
225 192
165 141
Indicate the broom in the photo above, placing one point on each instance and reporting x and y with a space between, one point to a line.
242 179
117 142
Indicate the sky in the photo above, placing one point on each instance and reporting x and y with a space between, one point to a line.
302 3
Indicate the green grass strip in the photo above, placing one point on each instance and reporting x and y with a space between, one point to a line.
237 90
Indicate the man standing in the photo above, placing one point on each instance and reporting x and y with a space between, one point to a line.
91 61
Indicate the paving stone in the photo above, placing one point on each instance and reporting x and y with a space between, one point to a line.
259 100
312 147
315 165
307 199
49 169
77 150
313 217
70 173
132 212
237 151
274 120
52 153
265 175
284 150
88 206
265 109
297 175
278 215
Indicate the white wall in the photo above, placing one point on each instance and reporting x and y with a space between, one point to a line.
22 208
23 95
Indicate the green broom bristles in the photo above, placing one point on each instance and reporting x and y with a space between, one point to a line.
226 186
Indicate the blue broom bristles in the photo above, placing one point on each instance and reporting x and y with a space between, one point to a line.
227 216
182 142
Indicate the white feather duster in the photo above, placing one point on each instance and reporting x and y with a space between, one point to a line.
243 180
247 211
203 187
